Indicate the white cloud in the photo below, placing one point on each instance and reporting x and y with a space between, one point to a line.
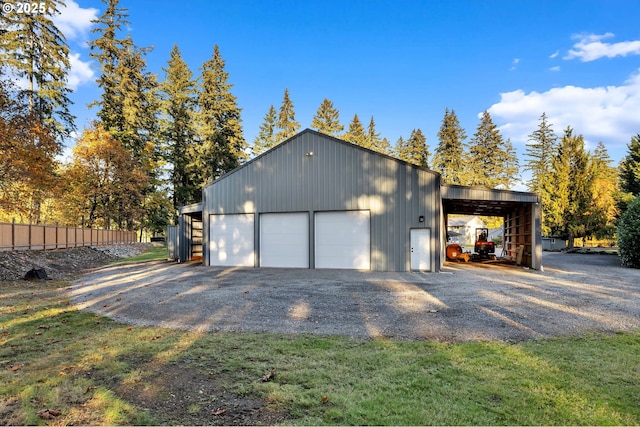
514 63
607 114
74 21
556 68
80 71
590 47
554 54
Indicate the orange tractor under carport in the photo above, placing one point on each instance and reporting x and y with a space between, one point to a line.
483 248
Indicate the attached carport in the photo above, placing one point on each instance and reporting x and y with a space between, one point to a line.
185 239
520 210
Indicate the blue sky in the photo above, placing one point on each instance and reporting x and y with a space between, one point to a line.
402 62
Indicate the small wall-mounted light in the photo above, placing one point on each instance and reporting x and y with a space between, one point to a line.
421 218
309 153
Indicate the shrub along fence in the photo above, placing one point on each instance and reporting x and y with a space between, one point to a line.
15 237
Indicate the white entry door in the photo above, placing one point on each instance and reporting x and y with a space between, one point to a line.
231 240
421 249
284 240
343 240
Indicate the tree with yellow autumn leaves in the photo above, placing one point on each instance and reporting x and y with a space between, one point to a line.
103 183
27 164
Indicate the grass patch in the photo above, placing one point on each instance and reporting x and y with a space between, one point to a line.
96 371
150 254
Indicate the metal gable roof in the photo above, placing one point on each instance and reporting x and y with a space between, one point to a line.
292 140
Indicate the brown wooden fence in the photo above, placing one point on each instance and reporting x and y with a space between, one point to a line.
15 237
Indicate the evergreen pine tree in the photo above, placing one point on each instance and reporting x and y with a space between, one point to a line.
128 109
286 119
128 105
106 50
327 119
356 134
540 152
266 138
571 213
449 158
178 127
373 140
630 168
223 146
629 234
558 189
36 50
415 149
137 88
399 147
490 161
385 147
510 167
605 191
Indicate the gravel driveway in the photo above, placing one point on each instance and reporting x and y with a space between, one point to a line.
574 295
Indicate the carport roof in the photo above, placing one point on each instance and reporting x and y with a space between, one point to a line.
483 201
191 209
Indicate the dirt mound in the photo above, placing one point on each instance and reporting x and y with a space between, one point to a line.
62 264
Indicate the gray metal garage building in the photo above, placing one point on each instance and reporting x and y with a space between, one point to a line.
315 201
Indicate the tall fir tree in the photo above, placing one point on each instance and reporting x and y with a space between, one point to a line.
572 211
630 168
605 191
37 51
266 138
129 107
399 146
327 119
385 147
510 166
106 49
286 119
448 158
356 133
540 152
490 159
179 94
137 130
414 150
223 146
372 138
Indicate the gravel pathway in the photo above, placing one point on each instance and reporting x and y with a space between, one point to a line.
575 294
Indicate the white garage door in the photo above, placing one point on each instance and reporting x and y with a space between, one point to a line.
342 240
231 240
284 240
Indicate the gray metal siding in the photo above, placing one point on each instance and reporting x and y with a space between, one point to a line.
339 176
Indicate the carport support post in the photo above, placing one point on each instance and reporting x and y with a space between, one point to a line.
536 234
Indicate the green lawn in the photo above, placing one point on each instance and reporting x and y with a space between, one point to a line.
88 367
151 253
